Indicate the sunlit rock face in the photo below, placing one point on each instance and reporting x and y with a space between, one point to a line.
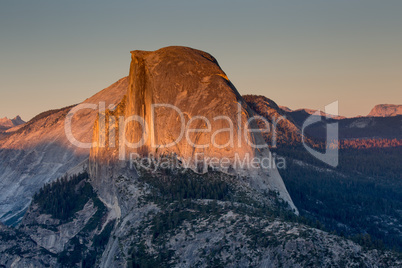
189 109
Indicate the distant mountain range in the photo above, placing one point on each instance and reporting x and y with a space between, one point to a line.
8 126
380 110
384 129
6 123
312 111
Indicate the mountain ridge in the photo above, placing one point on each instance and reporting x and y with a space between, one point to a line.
40 151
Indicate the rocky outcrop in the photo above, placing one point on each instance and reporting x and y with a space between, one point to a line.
173 91
52 234
18 250
386 110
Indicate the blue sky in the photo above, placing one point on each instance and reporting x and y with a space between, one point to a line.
298 53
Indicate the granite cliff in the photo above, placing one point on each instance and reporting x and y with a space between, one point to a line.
191 110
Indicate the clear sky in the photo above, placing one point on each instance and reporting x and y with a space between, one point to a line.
298 53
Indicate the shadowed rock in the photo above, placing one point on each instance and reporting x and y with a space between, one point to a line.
40 151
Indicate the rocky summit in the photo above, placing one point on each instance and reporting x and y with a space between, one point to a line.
175 90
